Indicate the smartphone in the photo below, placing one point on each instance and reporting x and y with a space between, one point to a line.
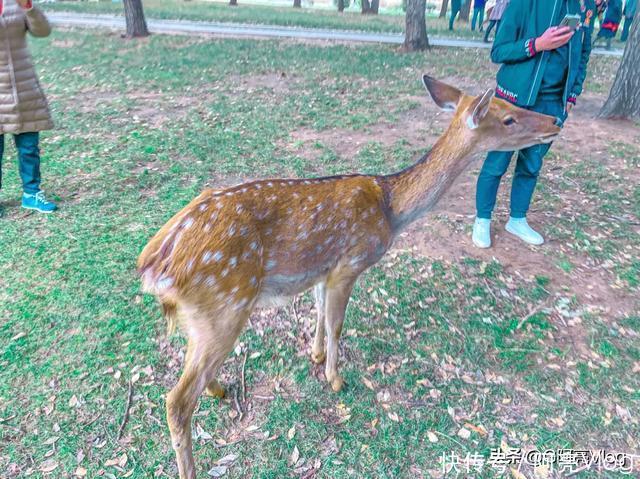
571 21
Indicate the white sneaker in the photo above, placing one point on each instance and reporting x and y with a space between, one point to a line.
520 228
482 233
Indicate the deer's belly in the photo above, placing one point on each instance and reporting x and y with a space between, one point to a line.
279 286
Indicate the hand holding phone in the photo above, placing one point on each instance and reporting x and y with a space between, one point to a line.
554 38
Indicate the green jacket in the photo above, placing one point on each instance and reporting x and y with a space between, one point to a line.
523 67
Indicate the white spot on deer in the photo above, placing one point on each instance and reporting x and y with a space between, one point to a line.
203 206
295 195
190 264
217 256
253 245
225 272
269 265
164 283
233 262
211 280
244 190
241 304
206 257
244 230
229 193
187 223
232 230
253 281
207 228
258 186
239 209
234 290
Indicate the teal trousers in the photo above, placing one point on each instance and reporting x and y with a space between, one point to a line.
28 160
525 177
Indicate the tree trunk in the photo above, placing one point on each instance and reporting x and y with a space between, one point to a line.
375 6
297 3
233 3
341 6
443 9
415 37
624 98
134 16
464 12
366 6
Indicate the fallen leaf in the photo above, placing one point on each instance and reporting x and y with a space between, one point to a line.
80 471
291 432
217 471
393 416
227 460
464 433
295 455
48 466
74 402
432 437
368 383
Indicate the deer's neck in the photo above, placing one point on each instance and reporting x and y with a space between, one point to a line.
416 190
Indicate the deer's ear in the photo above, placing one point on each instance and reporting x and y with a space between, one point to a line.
445 96
479 109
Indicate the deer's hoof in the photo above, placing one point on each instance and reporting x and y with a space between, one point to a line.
318 358
336 383
215 390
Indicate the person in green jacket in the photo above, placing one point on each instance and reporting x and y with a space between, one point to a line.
543 69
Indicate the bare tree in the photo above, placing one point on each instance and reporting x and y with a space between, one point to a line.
443 8
341 5
233 3
624 97
297 3
134 16
415 36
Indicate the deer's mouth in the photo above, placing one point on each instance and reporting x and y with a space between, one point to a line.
548 137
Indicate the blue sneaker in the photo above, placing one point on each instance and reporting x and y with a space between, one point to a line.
38 202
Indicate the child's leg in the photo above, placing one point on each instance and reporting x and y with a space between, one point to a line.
473 19
495 165
481 27
29 161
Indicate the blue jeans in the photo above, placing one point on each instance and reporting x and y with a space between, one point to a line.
478 14
28 160
526 173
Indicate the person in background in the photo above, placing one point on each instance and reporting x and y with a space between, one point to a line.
24 111
456 6
543 67
629 13
495 16
611 23
478 14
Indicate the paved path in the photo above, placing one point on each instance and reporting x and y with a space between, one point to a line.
247 30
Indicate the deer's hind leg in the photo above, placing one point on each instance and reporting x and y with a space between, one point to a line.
210 341
317 350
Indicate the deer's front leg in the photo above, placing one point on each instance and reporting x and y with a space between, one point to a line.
337 297
317 350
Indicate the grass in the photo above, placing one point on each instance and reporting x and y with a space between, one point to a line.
430 346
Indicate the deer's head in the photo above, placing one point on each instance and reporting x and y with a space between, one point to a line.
486 123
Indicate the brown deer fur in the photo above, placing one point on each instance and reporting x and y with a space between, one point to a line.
262 242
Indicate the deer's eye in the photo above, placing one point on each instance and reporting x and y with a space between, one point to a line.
508 121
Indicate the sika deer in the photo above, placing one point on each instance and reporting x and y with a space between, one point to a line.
231 250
